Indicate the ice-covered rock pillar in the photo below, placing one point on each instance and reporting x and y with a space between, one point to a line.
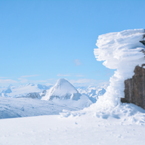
122 51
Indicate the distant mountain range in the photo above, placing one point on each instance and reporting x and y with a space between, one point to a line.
36 99
62 90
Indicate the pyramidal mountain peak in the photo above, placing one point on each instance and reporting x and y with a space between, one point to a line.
62 90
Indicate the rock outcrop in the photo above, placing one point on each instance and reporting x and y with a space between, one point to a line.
135 88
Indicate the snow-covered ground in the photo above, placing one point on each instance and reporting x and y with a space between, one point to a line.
82 130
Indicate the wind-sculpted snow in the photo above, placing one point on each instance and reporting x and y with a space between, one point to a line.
121 51
115 48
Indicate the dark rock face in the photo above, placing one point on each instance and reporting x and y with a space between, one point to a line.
135 88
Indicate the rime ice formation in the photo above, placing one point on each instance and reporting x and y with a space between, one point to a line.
62 90
121 51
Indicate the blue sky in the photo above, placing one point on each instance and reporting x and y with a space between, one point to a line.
44 40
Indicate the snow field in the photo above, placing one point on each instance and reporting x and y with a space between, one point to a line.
53 130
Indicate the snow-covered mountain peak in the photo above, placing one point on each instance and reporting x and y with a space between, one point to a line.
62 90
64 85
